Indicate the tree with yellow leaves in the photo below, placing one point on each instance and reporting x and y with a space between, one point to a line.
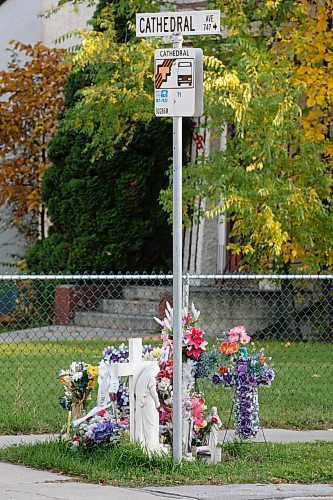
269 82
30 101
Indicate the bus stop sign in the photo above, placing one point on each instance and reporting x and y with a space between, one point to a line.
178 82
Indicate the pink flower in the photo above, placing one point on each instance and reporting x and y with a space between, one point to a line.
237 330
166 342
233 337
187 317
198 407
194 337
244 339
164 416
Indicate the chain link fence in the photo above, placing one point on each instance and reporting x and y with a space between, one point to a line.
46 322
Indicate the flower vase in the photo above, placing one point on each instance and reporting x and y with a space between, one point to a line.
77 410
246 407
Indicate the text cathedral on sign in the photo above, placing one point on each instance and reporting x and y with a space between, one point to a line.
186 23
156 24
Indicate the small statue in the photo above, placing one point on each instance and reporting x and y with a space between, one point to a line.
146 412
187 429
216 422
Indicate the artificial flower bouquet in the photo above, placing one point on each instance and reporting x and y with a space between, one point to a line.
193 340
79 381
101 429
197 363
244 369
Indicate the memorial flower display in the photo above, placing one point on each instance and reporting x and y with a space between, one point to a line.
101 429
193 340
244 369
78 380
197 363
198 409
112 354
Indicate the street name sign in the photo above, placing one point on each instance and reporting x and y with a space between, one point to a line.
192 22
178 82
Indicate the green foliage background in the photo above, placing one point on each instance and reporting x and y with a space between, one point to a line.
103 204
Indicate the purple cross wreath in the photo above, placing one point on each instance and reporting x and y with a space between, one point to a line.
246 371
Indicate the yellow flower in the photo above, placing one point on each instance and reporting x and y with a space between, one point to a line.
92 371
156 353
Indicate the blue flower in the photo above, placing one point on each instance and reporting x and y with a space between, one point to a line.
216 379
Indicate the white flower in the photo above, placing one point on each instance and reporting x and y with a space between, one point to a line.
164 385
195 312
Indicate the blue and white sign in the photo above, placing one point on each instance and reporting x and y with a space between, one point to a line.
161 96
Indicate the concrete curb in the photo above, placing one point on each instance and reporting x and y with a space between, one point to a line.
271 436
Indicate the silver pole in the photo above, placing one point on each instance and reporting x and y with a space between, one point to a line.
177 279
187 290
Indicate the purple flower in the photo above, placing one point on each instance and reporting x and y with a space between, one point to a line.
253 380
241 368
243 389
227 379
102 432
216 379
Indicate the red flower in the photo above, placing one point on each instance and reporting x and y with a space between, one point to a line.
166 370
195 337
194 352
101 413
223 370
161 374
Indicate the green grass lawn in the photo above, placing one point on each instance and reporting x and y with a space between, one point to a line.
126 465
300 396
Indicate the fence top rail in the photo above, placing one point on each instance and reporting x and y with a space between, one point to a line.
97 277
259 276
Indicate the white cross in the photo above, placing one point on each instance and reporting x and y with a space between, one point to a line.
133 370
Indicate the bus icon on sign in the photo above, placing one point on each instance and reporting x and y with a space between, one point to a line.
185 75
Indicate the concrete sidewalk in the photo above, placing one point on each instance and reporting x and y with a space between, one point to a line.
22 483
271 436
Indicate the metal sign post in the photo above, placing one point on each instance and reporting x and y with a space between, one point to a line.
178 92
177 278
